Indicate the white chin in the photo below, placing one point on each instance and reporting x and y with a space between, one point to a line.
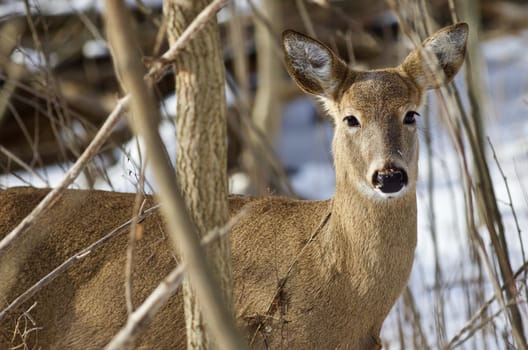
392 195
377 194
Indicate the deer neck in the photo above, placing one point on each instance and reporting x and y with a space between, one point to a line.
366 231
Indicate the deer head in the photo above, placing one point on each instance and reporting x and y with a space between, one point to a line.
375 143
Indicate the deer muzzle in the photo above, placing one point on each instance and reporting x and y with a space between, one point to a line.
389 180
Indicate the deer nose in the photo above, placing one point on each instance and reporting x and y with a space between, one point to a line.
390 180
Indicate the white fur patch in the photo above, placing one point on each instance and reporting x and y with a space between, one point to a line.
377 195
310 59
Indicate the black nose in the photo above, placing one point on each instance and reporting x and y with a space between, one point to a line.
389 180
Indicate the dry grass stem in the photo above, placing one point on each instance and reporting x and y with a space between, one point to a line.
408 299
139 203
25 328
510 201
474 326
305 17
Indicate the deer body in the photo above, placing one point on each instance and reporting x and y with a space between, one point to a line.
307 274
315 303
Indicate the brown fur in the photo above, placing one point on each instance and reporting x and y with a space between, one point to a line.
307 274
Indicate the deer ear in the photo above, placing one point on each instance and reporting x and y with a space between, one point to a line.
313 66
449 47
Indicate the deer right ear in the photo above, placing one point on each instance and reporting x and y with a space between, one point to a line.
449 47
313 66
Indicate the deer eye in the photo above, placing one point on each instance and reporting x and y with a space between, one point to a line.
351 121
410 117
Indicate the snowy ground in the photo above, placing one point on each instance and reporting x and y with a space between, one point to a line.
304 148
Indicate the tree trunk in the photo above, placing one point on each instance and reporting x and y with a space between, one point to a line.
202 150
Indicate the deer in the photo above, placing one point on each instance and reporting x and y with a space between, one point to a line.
307 274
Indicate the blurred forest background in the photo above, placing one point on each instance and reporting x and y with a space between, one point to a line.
468 289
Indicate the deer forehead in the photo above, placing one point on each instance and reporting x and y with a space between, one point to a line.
379 94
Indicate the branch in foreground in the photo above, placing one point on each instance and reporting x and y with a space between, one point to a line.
181 229
141 317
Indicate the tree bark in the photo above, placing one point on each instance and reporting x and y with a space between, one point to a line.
202 149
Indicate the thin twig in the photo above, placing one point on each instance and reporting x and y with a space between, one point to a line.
139 319
305 17
139 203
13 72
54 101
22 164
481 325
260 144
510 201
148 12
408 299
472 326
24 333
452 10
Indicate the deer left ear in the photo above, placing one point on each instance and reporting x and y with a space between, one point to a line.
449 47
314 67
